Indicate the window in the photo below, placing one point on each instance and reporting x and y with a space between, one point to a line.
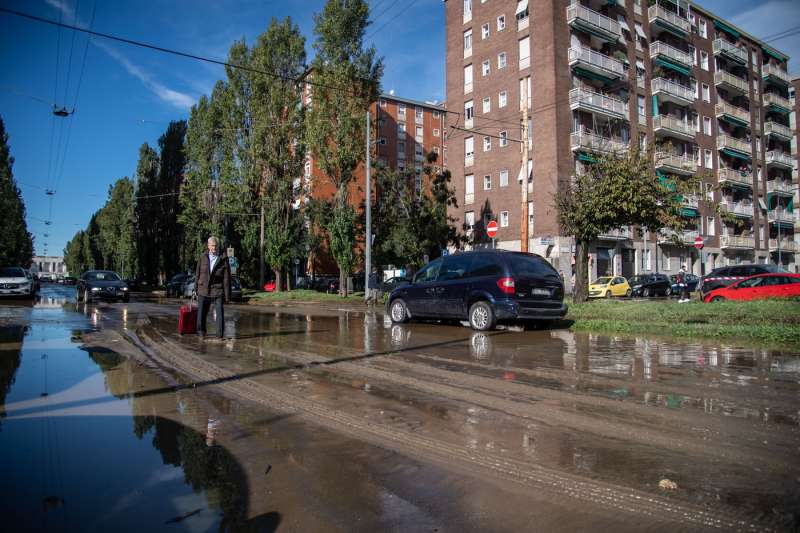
696 122
754 58
640 105
710 228
468 79
693 52
436 151
487 144
706 93
467 10
435 132
401 149
383 102
524 52
469 220
503 219
758 146
469 113
501 23
454 267
487 104
487 183
418 114
435 114
703 60
694 86
468 43
504 178
697 156
469 189
418 134
485 68
503 139
401 110
502 99
708 159
485 31
502 60
755 85
709 192
401 129
469 147
530 214
707 125
429 271
702 29
484 265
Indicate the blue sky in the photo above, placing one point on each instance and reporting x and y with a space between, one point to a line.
128 95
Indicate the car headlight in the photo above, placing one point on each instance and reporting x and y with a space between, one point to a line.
95 289
124 288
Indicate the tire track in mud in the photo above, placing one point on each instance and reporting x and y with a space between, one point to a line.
527 474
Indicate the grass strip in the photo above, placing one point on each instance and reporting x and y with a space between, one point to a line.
303 295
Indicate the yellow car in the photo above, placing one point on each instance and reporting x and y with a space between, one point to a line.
608 286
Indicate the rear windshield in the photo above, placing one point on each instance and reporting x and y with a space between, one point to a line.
101 276
638 280
525 265
12 272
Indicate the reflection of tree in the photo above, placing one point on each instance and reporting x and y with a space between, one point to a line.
10 358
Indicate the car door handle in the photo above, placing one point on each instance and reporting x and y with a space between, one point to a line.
439 290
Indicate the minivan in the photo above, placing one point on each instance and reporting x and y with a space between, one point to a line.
724 276
482 286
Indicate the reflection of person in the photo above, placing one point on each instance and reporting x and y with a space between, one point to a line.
213 282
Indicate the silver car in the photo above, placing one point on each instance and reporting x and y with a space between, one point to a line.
14 282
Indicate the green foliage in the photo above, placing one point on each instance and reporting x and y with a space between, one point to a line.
347 80
148 214
16 242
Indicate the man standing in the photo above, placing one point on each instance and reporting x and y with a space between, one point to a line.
213 282
682 285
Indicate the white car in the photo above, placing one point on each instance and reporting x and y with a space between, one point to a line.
14 282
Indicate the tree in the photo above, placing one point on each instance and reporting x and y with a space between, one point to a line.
148 226
172 159
618 190
346 81
16 242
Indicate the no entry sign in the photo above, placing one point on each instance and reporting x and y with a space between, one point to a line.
698 242
491 229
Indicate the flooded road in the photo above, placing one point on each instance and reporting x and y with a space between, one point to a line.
333 420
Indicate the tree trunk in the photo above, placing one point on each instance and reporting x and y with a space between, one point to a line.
580 292
289 280
278 280
342 283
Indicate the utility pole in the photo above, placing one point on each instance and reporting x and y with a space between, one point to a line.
368 237
261 249
523 228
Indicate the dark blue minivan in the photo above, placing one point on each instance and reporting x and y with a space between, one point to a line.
484 287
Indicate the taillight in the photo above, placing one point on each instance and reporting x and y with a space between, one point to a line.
506 285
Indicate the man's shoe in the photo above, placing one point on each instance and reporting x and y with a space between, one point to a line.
201 334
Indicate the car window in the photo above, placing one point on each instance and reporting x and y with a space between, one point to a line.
738 271
101 276
529 265
790 280
12 272
454 267
602 281
484 265
753 282
428 272
619 280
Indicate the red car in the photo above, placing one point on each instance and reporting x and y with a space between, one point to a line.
777 285
269 286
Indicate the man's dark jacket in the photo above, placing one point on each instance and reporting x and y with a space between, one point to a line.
215 283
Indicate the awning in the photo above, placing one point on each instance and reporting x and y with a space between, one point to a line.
671 65
639 64
622 23
776 55
586 158
640 31
734 153
592 75
522 5
735 120
727 29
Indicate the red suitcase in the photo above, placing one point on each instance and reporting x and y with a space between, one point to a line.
187 320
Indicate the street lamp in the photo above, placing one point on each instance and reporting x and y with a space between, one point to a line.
368 239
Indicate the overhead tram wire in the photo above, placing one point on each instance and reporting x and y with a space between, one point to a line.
403 10
175 52
61 125
55 99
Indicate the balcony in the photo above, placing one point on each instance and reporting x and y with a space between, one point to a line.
640 82
674 127
736 242
775 74
779 159
597 103
778 130
734 147
685 236
728 81
784 245
523 23
735 178
781 215
669 21
780 188
777 103
671 53
738 209
582 18
669 91
585 141
637 9
622 234
590 61
735 115
676 164
730 51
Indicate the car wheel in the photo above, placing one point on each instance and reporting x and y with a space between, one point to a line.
481 316
646 292
126 299
718 299
628 293
398 312
668 292
608 294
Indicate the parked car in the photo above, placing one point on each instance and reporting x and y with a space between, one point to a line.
14 282
390 284
780 285
724 276
269 286
482 286
690 280
646 285
69 280
105 284
176 286
236 289
609 286
189 287
34 279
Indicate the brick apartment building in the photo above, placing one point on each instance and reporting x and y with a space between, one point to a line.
794 116
403 131
601 75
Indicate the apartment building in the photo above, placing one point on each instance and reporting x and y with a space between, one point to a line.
793 123
403 132
600 75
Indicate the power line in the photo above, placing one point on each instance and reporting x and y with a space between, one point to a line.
406 8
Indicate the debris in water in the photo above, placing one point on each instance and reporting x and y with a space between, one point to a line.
183 517
667 484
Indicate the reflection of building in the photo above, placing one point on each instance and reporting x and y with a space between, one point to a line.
604 76
49 266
